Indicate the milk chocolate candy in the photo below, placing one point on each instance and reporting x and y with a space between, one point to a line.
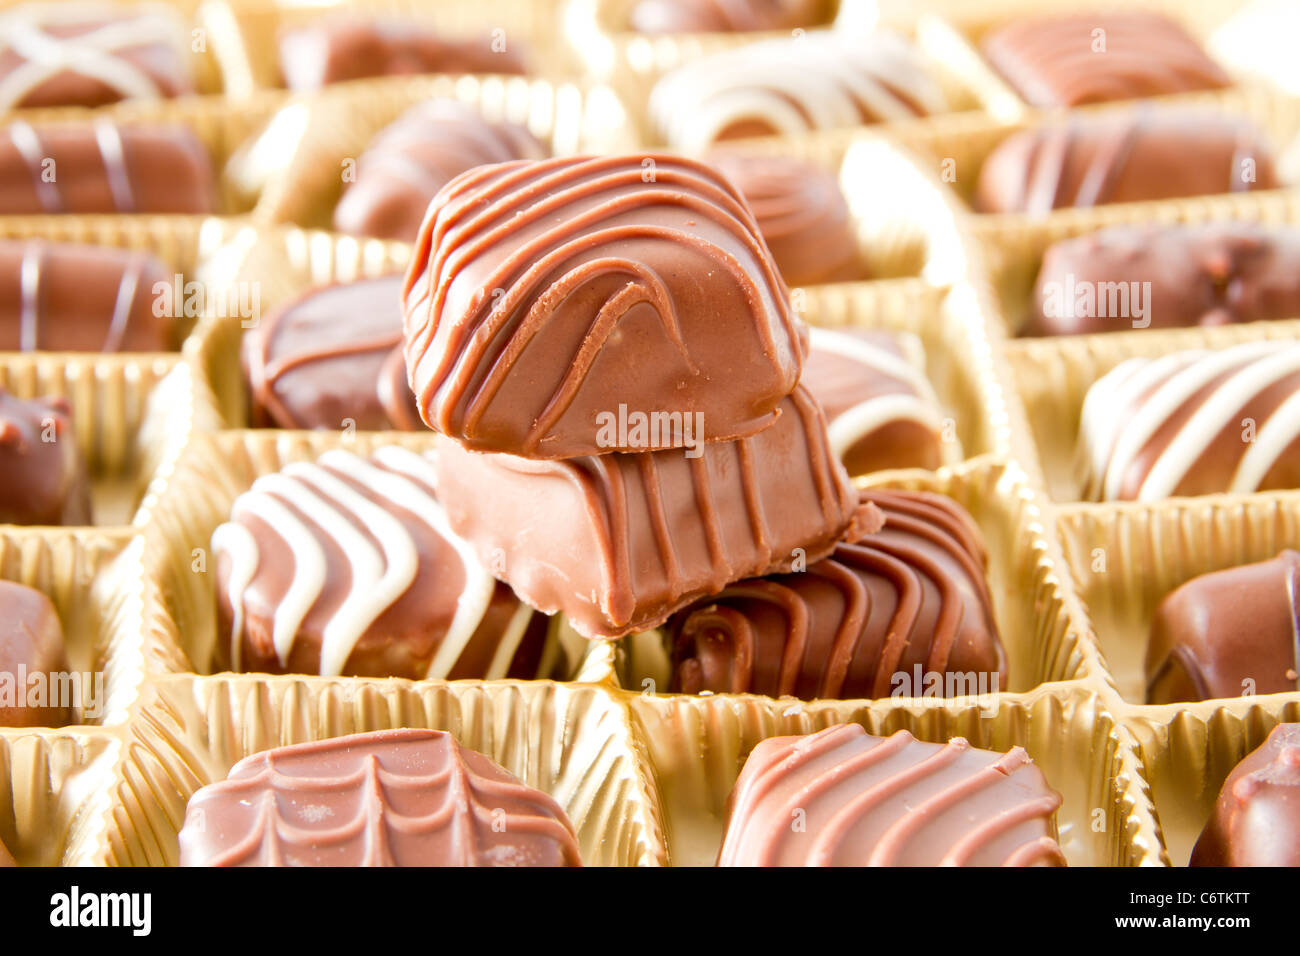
544 298
352 48
1166 276
410 160
1142 154
347 566
801 213
881 409
42 477
1084 58
71 298
1194 423
1228 633
908 601
387 798
332 358
889 801
31 651
723 16
97 166
787 87
1256 820
619 542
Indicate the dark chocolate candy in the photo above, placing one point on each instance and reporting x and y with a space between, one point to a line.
31 644
841 797
723 16
387 798
1228 633
42 477
545 298
1256 820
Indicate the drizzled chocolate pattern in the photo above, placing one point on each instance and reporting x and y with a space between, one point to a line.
1194 423
387 798
1142 154
42 476
723 16
888 801
543 296
1256 820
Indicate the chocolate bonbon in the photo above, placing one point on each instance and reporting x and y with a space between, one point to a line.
544 298
1228 633
42 477
722 16
888 801
1256 819
31 654
386 798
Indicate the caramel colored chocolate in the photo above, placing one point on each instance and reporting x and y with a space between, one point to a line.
545 299
69 298
420 152
1096 57
1194 423
98 166
31 644
332 358
1143 154
90 54
42 477
723 16
346 566
1174 275
907 600
1228 633
1256 820
387 798
352 48
841 797
620 542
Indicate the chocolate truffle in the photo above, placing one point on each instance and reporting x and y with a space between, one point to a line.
90 54
1228 633
1256 820
1194 423
1138 155
97 166
387 798
1096 57
352 48
801 213
723 16
619 542
62 297
31 649
346 566
787 87
42 477
1167 276
544 297
332 356
841 797
420 152
881 409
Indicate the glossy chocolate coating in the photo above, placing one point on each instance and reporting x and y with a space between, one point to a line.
620 542
415 156
841 797
60 297
31 642
386 798
1057 60
330 357
352 48
1139 155
346 566
543 296
723 16
1228 633
42 477
1211 274
1256 820
96 166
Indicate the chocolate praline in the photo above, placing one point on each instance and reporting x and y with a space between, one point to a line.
42 477
31 646
1256 820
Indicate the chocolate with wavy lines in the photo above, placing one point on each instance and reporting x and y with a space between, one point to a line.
1136 155
1256 820
1194 423
42 475
543 296
841 797
347 566
724 16
385 798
